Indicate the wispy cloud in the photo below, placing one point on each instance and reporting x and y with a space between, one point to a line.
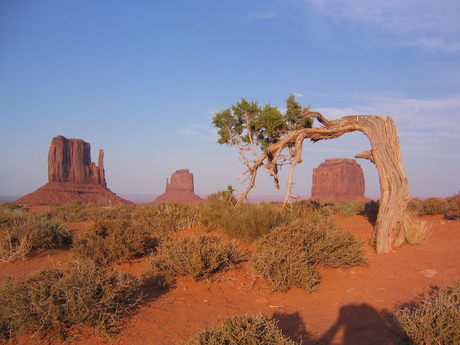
428 126
432 25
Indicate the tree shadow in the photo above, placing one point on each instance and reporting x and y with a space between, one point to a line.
293 327
360 325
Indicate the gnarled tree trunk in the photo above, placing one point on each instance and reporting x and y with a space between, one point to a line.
385 154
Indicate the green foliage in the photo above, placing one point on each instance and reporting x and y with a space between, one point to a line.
111 241
21 233
59 301
166 218
200 257
288 255
248 123
434 319
294 117
244 330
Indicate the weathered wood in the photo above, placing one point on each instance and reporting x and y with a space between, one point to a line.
385 154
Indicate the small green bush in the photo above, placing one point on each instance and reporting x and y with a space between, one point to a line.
434 319
59 301
243 330
20 234
112 241
288 256
200 256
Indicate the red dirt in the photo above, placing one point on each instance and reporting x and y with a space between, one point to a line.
345 310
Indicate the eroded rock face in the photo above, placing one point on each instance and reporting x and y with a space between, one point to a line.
72 177
181 189
69 160
338 179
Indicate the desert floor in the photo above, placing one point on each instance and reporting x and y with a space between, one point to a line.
348 308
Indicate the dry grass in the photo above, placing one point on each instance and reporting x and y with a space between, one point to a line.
416 231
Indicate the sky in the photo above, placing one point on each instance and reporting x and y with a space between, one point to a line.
142 80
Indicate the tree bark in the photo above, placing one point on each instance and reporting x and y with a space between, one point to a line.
385 154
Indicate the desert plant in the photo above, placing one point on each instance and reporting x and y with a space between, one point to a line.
243 330
56 301
349 208
165 218
415 231
288 255
215 206
200 256
21 234
454 207
250 221
434 319
112 241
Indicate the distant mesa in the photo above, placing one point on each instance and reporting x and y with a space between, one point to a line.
72 177
337 180
180 189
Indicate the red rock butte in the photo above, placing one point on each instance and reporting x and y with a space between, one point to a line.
181 189
337 180
72 177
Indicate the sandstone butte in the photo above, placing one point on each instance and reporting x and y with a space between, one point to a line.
181 189
72 177
337 180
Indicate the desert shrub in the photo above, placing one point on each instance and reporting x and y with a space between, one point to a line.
214 207
415 205
243 330
415 231
200 256
434 319
165 218
58 301
371 210
74 212
432 206
453 211
111 241
250 221
349 208
285 267
288 256
23 233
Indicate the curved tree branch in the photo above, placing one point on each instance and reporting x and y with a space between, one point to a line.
385 154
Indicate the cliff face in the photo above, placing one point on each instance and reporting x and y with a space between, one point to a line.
181 189
69 160
338 179
72 177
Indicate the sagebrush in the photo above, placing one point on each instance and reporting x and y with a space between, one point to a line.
243 330
61 301
434 319
198 256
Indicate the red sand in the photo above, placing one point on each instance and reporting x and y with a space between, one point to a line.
346 309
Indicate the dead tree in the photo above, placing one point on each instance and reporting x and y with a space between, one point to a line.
385 154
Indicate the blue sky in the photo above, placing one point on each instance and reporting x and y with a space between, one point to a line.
142 80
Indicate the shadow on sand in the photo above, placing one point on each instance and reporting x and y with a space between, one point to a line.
357 324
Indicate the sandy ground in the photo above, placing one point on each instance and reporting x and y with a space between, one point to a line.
347 309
